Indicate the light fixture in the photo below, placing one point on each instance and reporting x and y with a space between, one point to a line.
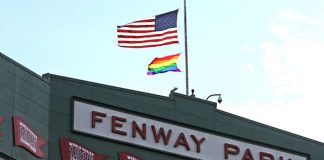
219 100
173 90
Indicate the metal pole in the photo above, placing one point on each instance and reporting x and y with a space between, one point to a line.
186 47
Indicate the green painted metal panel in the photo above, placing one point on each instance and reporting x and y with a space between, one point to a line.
31 108
136 103
7 78
7 95
7 64
178 109
24 94
32 79
32 92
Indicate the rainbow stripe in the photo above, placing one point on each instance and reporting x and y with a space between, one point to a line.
164 64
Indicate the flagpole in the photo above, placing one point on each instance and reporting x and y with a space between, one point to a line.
186 47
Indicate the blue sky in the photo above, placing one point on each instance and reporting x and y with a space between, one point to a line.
264 57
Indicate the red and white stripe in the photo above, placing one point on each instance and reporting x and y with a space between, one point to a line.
142 34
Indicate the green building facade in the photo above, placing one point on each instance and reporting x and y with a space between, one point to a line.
85 120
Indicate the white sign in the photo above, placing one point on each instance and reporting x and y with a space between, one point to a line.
128 128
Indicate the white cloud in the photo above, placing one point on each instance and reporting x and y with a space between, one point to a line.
296 61
249 68
294 65
248 48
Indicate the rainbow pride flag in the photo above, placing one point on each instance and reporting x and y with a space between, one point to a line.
163 64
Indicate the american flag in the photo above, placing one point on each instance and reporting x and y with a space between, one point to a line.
150 32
